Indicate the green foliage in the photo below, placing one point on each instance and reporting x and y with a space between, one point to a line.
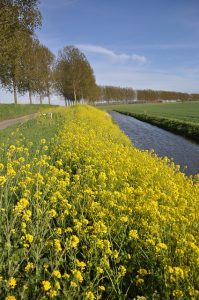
35 69
155 96
18 19
73 75
109 93
113 93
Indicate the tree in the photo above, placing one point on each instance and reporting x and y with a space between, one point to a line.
74 75
46 65
35 70
109 93
18 19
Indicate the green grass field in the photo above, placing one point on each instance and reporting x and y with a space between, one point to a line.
9 111
187 112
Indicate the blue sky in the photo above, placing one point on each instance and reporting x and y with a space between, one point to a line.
139 43
136 43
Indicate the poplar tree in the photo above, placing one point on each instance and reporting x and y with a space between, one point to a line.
35 70
18 19
73 74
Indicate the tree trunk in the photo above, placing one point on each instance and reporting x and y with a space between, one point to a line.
40 99
65 99
30 96
75 96
15 92
49 100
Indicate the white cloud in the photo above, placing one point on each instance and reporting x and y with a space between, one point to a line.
116 56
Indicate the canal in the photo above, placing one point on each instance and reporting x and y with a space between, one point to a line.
164 143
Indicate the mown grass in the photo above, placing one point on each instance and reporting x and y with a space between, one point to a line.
9 111
85 215
181 118
187 112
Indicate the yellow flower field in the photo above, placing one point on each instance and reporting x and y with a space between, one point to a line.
88 216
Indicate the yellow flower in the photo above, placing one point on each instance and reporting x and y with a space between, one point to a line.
161 246
115 254
56 273
46 285
133 234
52 213
66 276
57 244
42 141
78 275
10 298
124 219
101 288
58 230
45 266
122 270
100 227
10 171
29 238
68 229
73 284
74 241
27 215
2 180
12 283
21 205
90 296
80 264
99 270
52 293
29 267
142 272
177 293
57 285
139 281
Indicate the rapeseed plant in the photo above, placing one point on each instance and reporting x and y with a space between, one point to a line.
86 215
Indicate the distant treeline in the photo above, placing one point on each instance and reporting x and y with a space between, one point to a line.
111 93
151 95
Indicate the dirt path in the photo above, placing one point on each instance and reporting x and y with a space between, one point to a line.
6 123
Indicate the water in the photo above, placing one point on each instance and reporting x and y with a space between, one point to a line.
164 143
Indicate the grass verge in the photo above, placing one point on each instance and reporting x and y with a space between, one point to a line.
10 111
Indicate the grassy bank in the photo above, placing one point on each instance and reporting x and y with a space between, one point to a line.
9 111
180 118
85 215
190 130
